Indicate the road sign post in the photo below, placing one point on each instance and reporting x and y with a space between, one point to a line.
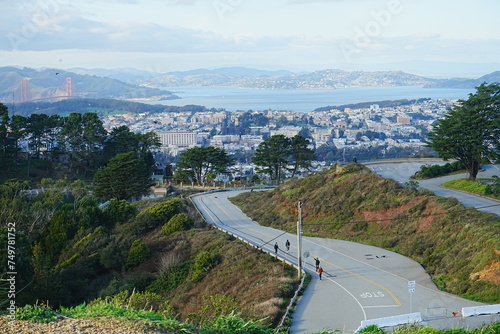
411 290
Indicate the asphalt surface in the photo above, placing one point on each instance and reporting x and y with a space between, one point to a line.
402 172
360 282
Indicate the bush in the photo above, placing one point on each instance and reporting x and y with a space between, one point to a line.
428 171
119 211
154 216
136 254
178 222
36 313
171 279
165 210
202 265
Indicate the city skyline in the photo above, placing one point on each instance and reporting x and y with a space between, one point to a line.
422 37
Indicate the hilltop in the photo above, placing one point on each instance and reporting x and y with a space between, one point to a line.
459 247
320 79
43 84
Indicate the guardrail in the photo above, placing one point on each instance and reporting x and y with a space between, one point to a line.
295 296
480 310
396 320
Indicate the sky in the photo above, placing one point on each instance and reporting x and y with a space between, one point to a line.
439 38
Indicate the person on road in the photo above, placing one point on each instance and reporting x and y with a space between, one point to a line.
320 271
287 245
276 248
317 263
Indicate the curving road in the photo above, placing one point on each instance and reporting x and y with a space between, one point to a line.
360 282
402 172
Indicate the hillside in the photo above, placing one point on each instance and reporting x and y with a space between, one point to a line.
156 255
459 247
322 79
101 107
44 84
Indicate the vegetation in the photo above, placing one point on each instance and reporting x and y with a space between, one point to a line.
430 171
141 312
202 163
101 107
75 146
470 131
70 251
124 176
489 188
277 153
458 246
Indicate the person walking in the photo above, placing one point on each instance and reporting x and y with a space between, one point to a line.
317 263
320 271
287 245
276 248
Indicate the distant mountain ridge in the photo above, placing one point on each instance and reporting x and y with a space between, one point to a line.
133 84
44 84
322 79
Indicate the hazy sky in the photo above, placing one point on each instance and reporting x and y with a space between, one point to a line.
170 35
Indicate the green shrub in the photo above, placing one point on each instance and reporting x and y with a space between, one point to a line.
36 313
136 254
119 211
202 265
154 216
165 210
179 222
169 281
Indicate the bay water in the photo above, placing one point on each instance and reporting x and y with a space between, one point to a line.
301 100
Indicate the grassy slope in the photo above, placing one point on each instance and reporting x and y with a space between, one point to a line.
240 278
459 247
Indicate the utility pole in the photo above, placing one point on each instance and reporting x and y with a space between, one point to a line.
299 240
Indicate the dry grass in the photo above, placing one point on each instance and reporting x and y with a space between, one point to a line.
455 244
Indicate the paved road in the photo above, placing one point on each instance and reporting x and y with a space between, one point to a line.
360 282
402 172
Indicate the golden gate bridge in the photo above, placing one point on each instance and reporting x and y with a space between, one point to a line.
36 93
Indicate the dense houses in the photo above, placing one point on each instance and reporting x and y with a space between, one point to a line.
395 126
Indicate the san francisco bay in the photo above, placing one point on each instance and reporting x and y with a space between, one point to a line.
302 100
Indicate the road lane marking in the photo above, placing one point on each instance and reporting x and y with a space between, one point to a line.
348 271
366 279
356 299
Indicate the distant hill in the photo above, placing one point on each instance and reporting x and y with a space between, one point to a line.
128 75
322 79
102 107
466 83
234 72
44 84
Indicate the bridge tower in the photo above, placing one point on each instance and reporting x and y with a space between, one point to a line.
69 87
24 90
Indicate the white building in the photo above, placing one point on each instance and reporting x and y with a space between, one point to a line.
179 138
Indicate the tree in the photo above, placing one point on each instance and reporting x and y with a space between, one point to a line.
4 127
82 137
122 140
125 176
271 157
203 163
300 154
470 131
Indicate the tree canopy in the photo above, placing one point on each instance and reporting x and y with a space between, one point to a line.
275 155
125 176
470 131
203 163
